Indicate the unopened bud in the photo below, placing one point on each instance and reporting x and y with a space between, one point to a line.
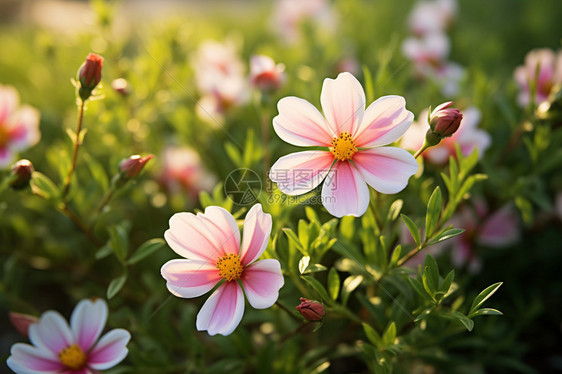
311 310
89 75
445 121
132 166
22 322
265 75
21 174
120 86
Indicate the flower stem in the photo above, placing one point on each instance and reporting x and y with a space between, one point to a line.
78 223
75 152
284 308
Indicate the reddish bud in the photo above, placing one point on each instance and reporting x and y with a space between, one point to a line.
132 166
311 310
21 174
89 75
265 75
22 322
445 121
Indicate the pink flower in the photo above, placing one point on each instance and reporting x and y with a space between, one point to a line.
429 49
265 74
289 15
549 75
183 171
430 16
468 137
210 242
19 127
496 230
353 138
78 349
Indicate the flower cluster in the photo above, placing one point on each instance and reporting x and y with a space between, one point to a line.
541 74
428 48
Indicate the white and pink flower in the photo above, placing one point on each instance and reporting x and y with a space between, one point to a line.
468 137
75 349
210 243
549 74
19 126
288 16
183 171
353 138
265 74
429 49
431 16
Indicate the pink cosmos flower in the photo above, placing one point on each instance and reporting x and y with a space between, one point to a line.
288 16
430 16
210 242
352 137
549 64
184 171
468 137
19 127
265 74
74 349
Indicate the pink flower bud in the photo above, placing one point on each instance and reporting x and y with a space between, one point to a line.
445 121
89 75
132 166
265 75
22 322
311 310
21 174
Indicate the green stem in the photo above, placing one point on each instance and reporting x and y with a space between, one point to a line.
75 152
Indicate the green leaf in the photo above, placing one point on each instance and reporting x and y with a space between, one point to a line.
413 229
459 318
303 233
311 214
433 212
333 283
394 210
103 252
486 312
431 265
447 282
419 288
42 186
303 264
396 255
305 267
389 335
293 238
318 287
424 313
146 249
372 335
445 234
349 285
119 241
483 296
116 285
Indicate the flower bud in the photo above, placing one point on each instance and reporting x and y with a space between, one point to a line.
445 121
22 322
132 166
311 310
265 75
21 174
89 75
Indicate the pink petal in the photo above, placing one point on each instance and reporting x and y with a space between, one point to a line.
25 132
300 123
343 102
87 322
344 191
300 172
385 121
110 350
257 228
197 237
6 157
51 333
9 100
262 281
28 359
223 310
500 229
190 278
386 169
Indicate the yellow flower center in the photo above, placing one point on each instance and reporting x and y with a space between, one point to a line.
230 267
73 357
343 148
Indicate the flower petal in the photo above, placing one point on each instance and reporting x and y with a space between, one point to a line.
87 322
51 333
386 119
300 172
28 359
344 191
300 123
197 237
262 282
257 228
343 102
25 131
110 350
500 229
6 157
386 169
223 310
190 278
9 99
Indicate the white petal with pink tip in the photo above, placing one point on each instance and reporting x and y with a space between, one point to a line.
28 359
343 103
110 350
257 228
51 333
223 310
87 322
345 192
190 278
262 281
